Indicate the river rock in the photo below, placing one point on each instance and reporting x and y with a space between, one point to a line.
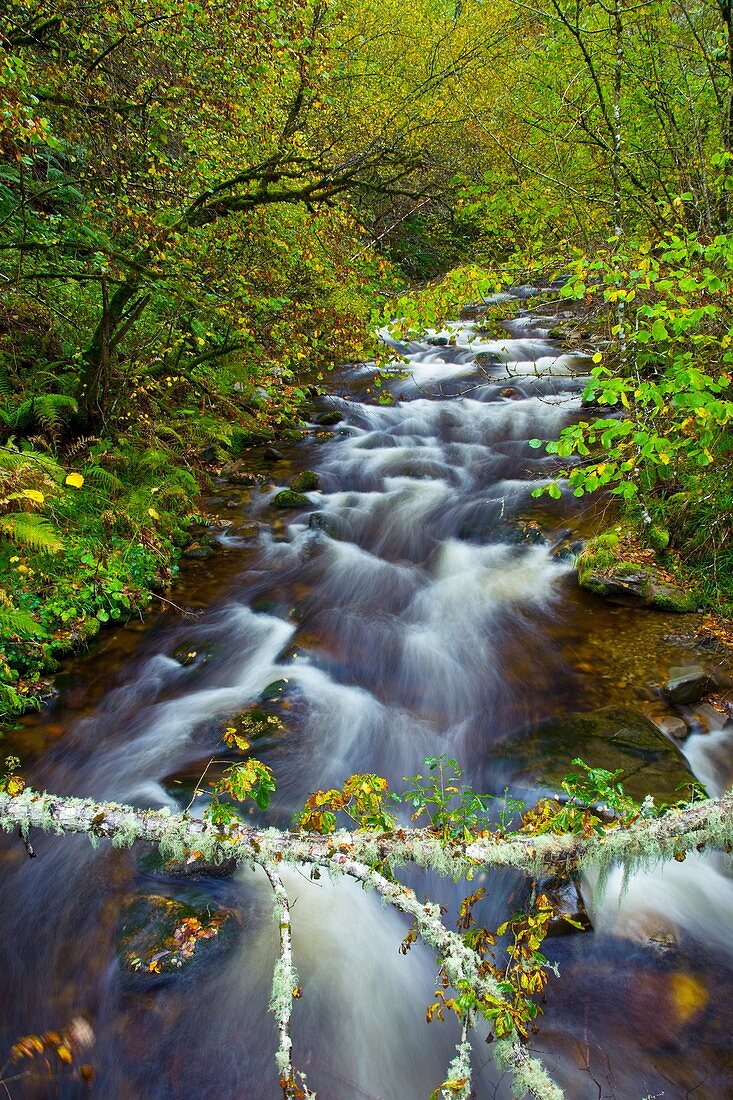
199 551
688 684
671 725
305 481
331 416
567 902
159 936
638 586
286 498
612 738
238 474
488 359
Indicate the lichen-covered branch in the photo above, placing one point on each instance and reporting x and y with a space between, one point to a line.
284 989
370 858
461 965
647 841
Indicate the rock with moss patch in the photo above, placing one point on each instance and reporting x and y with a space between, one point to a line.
305 482
604 571
159 936
614 738
287 498
331 416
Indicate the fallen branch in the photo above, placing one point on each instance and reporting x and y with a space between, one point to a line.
371 858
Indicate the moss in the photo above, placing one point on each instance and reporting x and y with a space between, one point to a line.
286 498
680 600
305 481
658 537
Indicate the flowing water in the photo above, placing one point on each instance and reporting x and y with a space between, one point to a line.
407 612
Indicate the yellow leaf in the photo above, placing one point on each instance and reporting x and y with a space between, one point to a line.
75 481
33 494
153 514
597 357
65 1054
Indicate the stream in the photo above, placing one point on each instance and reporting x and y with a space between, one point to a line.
424 603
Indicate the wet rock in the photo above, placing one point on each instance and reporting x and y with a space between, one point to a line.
472 312
305 481
188 654
673 726
688 684
155 865
199 551
256 723
488 359
613 738
210 454
159 936
625 583
564 896
319 521
438 341
275 690
511 392
271 454
331 416
286 498
238 474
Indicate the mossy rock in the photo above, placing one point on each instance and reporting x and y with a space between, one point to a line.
159 936
613 738
331 416
305 482
256 723
287 498
603 571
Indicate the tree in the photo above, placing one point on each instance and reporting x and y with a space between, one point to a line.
156 156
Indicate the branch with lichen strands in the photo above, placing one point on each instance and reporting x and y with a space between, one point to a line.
364 856
284 987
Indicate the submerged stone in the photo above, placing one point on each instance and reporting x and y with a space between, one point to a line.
567 902
612 738
160 936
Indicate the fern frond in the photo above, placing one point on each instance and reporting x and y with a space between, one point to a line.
97 475
19 462
78 446
15 621
35 532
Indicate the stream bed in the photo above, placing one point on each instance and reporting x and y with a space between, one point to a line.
422 603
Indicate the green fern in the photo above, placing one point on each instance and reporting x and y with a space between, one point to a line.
105 479
16 462
15 621
49 412
35 532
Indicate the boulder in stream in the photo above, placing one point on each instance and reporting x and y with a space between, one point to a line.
612 738
160 936
287 498
613 566
331 416
688 684
305 481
